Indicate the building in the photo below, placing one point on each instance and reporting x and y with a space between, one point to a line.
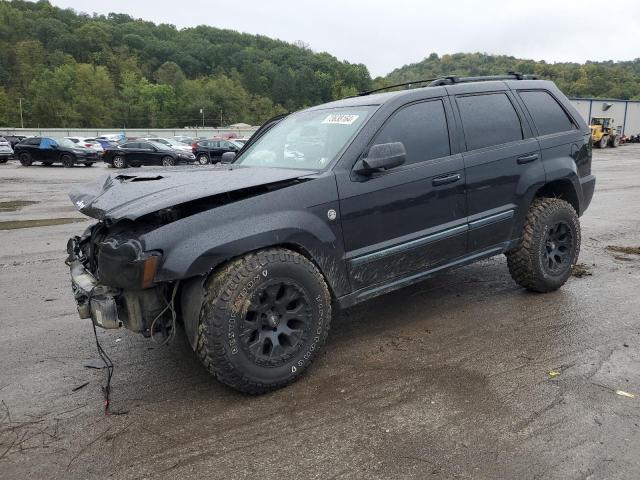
626 113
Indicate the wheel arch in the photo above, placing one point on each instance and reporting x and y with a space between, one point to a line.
563 189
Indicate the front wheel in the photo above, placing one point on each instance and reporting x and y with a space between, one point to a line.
119 162
168 161
265 317
603 142
25 159
549 246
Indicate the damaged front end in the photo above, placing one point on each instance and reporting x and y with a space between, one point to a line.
112 279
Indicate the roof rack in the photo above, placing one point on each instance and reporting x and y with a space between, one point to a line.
451 80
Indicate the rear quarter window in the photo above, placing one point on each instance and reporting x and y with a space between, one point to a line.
548 116
488 119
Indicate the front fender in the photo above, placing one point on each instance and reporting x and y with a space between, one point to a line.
196 245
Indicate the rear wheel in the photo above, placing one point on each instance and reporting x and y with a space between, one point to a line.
264 319
603 142
119 162
67 161
549 247
168 161
25 159
203 159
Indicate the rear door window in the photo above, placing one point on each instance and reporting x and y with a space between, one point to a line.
422 128
488 120
548 116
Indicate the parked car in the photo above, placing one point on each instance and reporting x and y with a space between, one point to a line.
169 143
139 152
183 139
6 152
50 150
384 190
104 142
87 143
211 151
14 139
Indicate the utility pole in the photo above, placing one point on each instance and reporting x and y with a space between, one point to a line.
21 120
202 112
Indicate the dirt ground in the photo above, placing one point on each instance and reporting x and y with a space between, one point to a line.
462 376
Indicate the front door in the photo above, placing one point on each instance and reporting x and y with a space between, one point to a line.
401 222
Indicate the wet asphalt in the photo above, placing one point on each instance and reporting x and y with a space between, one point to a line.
450 378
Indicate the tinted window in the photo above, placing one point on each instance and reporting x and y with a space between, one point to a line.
129 145
145 146
214 144
32 141
422 128
547 114
488 120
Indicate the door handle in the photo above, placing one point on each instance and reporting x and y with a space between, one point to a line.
446 179
527 158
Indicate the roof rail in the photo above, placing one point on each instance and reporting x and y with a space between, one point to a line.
369 92
451 80
485 78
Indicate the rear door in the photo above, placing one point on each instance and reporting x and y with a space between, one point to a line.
501 157
412 218
560 138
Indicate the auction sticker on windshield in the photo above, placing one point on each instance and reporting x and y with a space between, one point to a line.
340 119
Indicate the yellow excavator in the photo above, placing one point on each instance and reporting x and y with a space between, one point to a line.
603 132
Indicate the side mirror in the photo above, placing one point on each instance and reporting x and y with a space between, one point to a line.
382 156
228 157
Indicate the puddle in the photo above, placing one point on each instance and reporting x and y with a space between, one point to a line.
15 205
627 250
581 270
15 224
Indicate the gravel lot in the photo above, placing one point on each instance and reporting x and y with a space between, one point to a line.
445 379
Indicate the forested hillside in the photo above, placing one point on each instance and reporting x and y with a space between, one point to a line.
593 79
76 70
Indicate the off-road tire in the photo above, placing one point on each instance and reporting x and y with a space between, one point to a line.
221 346
168 161
67 161
614 142
203 159
25 159
527 261
603 142
119 162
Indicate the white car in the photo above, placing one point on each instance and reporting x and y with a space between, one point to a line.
84 142
6 151
181 147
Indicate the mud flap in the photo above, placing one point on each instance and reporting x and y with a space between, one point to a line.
190 306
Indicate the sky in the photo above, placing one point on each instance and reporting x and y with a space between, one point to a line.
390 34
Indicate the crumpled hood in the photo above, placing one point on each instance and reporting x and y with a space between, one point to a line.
131 195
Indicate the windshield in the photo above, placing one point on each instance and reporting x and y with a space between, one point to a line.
306 140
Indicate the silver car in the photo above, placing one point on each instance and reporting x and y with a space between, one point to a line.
6 152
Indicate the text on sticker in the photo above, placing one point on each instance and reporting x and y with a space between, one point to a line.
340 119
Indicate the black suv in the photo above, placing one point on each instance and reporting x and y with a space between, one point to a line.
211 151
48 151
330 206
